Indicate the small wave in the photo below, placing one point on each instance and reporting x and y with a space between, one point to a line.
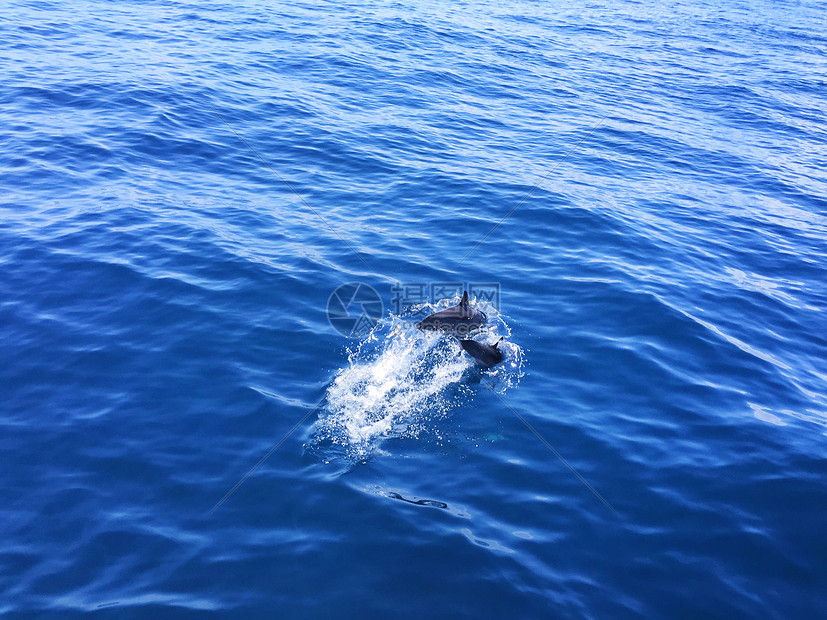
399 382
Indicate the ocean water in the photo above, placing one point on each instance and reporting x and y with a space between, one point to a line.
184 430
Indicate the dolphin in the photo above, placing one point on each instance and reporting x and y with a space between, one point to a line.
459 320
485 355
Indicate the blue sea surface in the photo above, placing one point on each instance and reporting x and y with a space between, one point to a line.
183 430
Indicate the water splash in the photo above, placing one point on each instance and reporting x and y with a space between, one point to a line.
399 382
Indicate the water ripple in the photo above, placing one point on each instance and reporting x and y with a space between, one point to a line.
163 296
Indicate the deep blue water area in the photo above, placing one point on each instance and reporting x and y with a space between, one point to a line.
186 431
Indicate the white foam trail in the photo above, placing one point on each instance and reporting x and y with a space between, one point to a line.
397 380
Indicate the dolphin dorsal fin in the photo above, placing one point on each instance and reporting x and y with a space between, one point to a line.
464 301
497 344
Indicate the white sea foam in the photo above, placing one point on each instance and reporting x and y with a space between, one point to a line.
398 381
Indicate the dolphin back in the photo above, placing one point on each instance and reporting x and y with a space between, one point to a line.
485 355
457 320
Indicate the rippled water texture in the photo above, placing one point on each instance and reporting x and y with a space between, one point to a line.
185 185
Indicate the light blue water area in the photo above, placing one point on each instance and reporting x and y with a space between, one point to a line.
185 185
